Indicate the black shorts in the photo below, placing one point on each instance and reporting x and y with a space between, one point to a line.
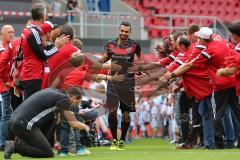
122 96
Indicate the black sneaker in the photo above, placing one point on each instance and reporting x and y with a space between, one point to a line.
208 147
230 146
9 149
219 146
238 145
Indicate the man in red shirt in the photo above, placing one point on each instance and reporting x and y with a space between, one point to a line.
225 94
7 35
66 51
162 62
34 51
184 101
50 34
149 68
7 61
196 83
234 60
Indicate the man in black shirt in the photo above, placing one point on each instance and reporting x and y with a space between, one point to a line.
36 114
123 51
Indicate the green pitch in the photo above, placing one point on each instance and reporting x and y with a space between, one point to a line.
150 149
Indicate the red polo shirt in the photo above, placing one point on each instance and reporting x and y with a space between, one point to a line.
213 58
196 81
63 56
74 76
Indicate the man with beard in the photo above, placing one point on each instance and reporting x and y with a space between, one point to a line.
122 50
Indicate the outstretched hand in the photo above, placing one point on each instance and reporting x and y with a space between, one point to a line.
86 128
142 80
175 88
117 77
133 69
115 66
220 72
161 82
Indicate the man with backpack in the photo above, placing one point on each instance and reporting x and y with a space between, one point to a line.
34 51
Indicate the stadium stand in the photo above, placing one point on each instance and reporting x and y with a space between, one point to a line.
226 11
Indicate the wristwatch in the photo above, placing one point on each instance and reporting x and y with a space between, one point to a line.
140 68
173 75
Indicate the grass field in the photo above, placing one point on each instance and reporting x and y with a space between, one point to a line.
151 149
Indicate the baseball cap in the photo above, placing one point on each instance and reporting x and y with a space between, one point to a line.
46 27
204 33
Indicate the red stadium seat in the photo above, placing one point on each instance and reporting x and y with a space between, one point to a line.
194 2
165 33
148 3
225 10
147 20
153 33
145 3
178 22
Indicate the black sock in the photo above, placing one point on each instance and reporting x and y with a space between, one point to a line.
125 124
112 120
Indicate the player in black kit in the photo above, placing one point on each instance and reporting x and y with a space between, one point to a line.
122 50
37 113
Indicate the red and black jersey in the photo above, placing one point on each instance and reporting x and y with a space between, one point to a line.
123 54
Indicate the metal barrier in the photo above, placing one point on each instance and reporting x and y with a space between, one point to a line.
105 25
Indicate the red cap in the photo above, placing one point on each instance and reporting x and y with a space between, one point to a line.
46 27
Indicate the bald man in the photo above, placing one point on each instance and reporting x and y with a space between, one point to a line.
7 35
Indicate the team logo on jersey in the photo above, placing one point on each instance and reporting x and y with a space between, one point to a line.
129 49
